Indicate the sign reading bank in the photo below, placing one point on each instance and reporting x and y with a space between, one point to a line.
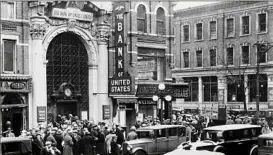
121 82
72 13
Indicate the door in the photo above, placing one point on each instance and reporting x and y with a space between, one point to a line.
66 108
161 141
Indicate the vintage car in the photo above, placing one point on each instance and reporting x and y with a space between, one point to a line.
155 140
234 139
16 146
265 145
192 152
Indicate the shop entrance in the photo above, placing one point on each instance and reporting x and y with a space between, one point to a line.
65 108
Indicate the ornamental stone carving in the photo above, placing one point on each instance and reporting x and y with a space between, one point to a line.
103 33
37 31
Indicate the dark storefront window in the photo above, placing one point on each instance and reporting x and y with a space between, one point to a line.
262 89
160 21
235 88
193 88
141 19
210 88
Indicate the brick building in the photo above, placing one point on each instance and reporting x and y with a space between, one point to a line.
148 35
216 54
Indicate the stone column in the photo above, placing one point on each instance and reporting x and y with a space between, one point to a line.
200 94
39 98
246 90
93 79
102 94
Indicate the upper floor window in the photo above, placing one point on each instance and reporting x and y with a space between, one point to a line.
141 19
186 33
245 25
186 59
199 31
245 54
229 56
9 56
213 30
262 22
230 27
213 57
7 10
199 58
261 57
160 21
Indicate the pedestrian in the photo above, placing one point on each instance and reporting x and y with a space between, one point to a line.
87 144
108 140
120 135
59 138
115 149
265 129
188 132
37 145
100 143
132 135
68 143
51 138
229 121
9 133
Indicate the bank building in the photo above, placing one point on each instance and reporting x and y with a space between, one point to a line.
54 60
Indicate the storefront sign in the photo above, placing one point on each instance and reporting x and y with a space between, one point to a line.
71 13
41 114
106 111
13 86
146 101
120 85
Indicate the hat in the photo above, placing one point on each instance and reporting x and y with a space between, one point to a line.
48 142
133 128
59 131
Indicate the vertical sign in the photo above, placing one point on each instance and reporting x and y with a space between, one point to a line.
41 114
106 111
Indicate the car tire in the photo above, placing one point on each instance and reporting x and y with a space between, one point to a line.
254 150
140 152
219 149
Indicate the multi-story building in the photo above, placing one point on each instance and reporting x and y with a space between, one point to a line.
147 57
216 53
54 60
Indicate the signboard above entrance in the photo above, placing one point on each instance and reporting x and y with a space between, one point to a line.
72 13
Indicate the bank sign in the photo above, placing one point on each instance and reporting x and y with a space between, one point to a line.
121 82
72 14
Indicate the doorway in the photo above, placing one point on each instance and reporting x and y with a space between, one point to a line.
66 108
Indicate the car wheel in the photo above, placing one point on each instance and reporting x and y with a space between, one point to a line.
219 149
139 152
254 150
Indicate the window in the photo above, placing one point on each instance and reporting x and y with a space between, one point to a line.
230 27
7 10
262 22
230 56
9 55
262 90
141 19
235 88
186 59
213 30
261 57
161 133
172 131
193 88
199 31
186 33
160 21
199 61
245 25
245 54
210 89
212 53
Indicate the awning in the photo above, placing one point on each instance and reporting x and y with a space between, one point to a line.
126 101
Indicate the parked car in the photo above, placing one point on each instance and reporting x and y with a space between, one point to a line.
192 152
155 140
16 146
265 145
234 139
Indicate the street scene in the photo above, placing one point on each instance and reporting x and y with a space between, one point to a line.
136 78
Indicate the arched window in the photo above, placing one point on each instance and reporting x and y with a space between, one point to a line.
141 19
160 21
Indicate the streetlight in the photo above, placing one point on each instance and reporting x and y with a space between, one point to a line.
162 97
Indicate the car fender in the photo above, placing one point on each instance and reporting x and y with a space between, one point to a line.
253 147
138 149
217 148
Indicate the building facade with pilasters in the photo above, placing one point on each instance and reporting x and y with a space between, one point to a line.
55 61
216 53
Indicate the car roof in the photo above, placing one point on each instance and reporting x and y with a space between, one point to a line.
158 127
13 139
266 136
232 127
192 152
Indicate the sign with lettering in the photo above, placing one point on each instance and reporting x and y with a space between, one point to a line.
121 82
106 111
146 101
72 14
41 113
14 86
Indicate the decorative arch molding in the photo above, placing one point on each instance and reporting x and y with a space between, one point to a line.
160 5
143 3
88 41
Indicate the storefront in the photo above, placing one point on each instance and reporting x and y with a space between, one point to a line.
14 102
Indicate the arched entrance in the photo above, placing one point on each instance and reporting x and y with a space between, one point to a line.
67 76
13 113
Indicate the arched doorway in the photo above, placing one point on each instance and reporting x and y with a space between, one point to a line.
67 76
13 113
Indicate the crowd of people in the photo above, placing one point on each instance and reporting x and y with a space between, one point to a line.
72 136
